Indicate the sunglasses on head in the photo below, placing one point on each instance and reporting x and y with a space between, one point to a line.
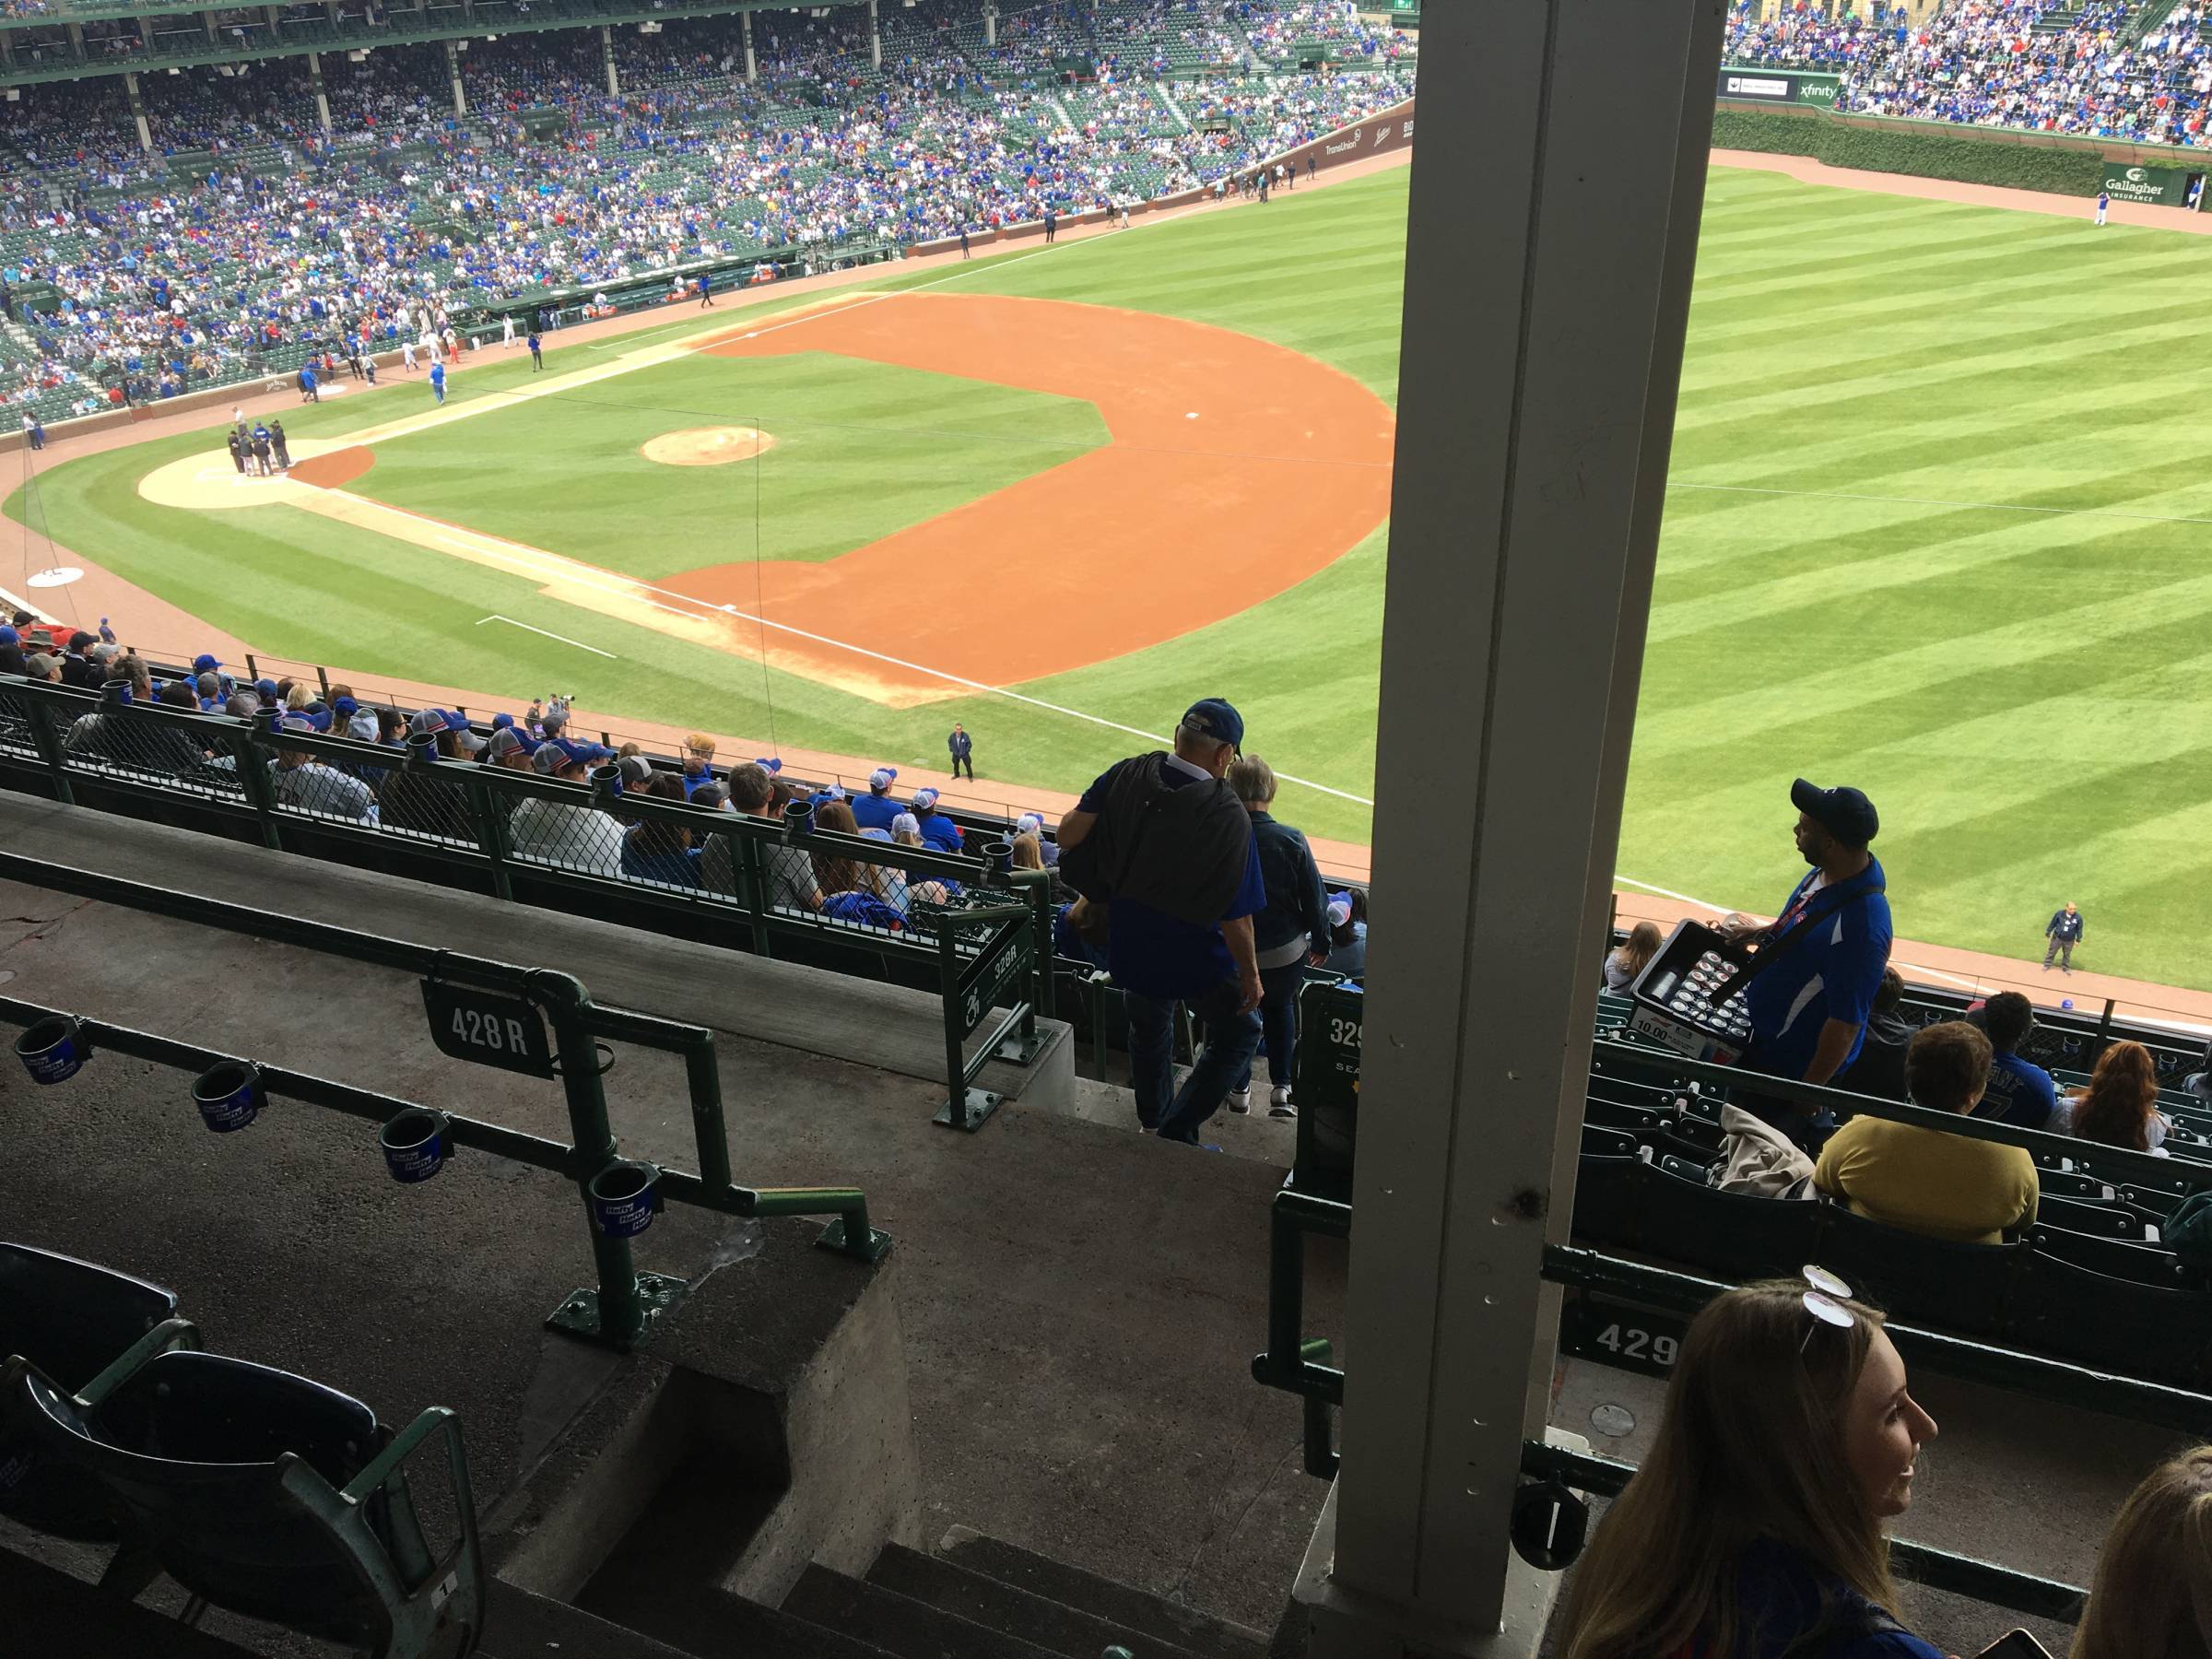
1824 1302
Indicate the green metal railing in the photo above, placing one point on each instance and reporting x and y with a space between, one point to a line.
1298 1364
227 769
621 1309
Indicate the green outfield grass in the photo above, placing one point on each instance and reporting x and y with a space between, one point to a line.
1939 526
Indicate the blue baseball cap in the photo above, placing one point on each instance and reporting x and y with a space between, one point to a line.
1216 718
591 754
924 799
204 663
267 688
501 722
345 708
1844 812
882 778
8 636
774 764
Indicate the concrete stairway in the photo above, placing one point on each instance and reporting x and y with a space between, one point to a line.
978 1598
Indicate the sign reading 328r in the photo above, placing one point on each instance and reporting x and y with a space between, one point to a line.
488 1028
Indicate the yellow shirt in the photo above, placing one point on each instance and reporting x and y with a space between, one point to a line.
1948 1186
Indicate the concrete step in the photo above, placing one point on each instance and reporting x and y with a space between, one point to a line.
952 1588
907 1628
707 1621
518 1625
1200 1634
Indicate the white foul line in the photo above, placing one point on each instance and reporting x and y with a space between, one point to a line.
564 639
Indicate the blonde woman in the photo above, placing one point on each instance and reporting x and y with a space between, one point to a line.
1754 1527
1625 963
2152 1595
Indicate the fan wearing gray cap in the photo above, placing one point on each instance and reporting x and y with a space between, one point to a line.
1819 963
1164 845
572 833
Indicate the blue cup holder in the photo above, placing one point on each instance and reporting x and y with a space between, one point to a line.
229 1095
416 1144
53 1050
624 1198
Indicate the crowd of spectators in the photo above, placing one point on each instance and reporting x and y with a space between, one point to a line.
2135 70
250 233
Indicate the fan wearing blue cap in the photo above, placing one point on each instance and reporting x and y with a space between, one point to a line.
937 830
1820 962
875 809
1163 844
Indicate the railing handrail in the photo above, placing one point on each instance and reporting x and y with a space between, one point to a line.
623 1305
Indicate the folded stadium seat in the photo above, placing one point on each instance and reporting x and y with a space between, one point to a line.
74 1321
1966 1289
2151 1200
1688 1169
2118 1258
1679 1218
1607 1143
2114 1324
2099 1220
1609 1115
1605 1198
1605 1062
1636 1092
269 1495
2074 1183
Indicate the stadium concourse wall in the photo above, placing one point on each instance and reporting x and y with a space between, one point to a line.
2012 158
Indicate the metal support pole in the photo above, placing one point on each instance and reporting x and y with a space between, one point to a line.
1037 886
754 864
606 54
130 89
48 742
616 1314
875 37
491 831
990 22
453 72
253 767
1535 412
2103 1039
955 1115
314 80
752 64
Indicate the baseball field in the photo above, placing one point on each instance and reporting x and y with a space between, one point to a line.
1939 526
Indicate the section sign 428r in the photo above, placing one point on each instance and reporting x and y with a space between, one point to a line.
490 1027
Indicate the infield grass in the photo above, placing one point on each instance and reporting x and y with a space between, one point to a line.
1939 523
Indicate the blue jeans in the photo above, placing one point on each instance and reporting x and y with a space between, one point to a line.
1278 1017
1229 1039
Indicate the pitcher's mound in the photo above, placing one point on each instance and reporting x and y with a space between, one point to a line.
707 446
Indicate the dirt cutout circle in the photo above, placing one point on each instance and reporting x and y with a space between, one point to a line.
707 446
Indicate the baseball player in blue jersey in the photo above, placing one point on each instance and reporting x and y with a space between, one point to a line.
437 380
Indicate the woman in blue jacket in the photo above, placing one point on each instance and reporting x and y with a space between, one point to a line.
1289 934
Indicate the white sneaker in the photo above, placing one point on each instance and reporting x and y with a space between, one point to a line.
1279 1103
1240 1100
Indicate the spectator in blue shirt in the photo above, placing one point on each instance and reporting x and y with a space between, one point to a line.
1180 909
937 829
875 809
2021 1092
1824 954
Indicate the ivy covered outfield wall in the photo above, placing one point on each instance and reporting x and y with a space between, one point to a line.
1939 149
